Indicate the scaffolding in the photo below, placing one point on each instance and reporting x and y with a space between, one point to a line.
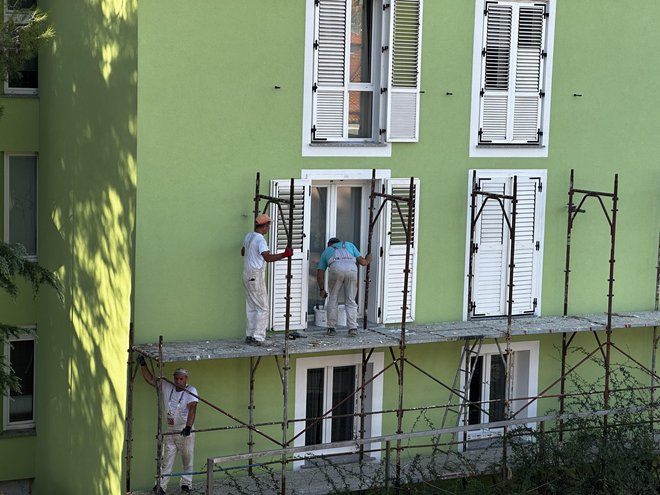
471 333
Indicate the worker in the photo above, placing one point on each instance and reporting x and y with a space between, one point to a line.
341 260
256 254
180 402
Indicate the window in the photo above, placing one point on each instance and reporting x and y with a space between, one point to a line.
326 387
488 247
511 78
21 201
26 81
487 387
332 203
19 406
362 74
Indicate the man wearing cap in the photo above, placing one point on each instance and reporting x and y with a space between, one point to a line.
256 254
180 401
341 260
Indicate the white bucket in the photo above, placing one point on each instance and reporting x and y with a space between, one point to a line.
321 316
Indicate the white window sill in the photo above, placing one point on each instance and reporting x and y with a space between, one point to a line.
19 432
347 149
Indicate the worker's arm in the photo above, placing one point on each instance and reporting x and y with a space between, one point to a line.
148 377
269 258
364 261
190 419
320 279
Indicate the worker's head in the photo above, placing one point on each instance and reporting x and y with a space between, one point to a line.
262 222
333 240
180 377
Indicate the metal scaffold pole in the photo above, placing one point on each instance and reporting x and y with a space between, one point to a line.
655 334
159 426
129 408
610 293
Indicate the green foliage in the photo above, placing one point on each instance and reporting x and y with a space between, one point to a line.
21 36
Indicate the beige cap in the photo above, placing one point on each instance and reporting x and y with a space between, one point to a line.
181 371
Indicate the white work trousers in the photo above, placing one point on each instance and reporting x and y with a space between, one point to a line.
342 274
178 443
256 303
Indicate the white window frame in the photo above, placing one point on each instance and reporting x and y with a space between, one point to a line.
531 373
7 180
20 425
20 18
540 218
377 360
514 150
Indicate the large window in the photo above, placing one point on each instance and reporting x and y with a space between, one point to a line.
488 388
327 396
18 406
26 80
362 65
331 203
511 78
489 241
21 201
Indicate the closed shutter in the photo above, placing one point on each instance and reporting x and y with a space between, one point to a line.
512 73
404 70
330 89
492 236
394 252
299 260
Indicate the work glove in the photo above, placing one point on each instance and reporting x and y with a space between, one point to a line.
141 361
288 252
186 431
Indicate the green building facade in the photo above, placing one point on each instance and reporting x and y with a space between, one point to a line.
152 119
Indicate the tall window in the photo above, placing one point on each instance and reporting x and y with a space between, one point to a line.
21 201
327 396
490 209
26 80
19 405
514 61
363 63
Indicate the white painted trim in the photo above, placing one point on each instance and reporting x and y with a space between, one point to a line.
340 149
543 173
20 425
303 364
531 346
513 151
344 174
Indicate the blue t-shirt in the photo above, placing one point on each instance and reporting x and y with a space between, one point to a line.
330 251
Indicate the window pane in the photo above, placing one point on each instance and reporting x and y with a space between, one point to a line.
21 4
21 359
314 407
361 41
497 388
359 114
318 223
343 385
474 393
349 214
23 202
27 77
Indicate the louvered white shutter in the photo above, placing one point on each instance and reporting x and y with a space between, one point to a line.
512 73
405 48
526 259
394 252
299 260
330 88
491 238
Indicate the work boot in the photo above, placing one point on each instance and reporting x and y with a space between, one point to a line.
249 340
352 332
185 489
330 331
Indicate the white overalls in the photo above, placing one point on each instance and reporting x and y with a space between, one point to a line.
254 281
342 272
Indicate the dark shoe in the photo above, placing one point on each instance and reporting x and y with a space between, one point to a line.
249 340
330 331
158 490
352 332
185 489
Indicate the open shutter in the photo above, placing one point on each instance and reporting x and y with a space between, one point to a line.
491 238
299 260
526 258
404 71
330 89
394 252
512 72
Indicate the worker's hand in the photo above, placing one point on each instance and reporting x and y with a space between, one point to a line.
186 431
368 258
141 361
323 293
288 252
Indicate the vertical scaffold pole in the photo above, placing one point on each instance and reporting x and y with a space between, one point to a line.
655 334
253 368
610 294
473 213
159 426
129 409
367 270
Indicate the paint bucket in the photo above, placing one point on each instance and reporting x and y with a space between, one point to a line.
321 316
